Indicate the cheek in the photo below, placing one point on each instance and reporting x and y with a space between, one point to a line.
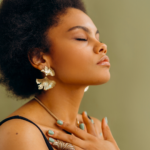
71 62
77 65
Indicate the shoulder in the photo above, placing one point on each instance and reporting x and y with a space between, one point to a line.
21 134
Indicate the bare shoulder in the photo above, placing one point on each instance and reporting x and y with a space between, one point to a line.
19 134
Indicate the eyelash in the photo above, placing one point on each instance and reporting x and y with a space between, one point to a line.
84 40
81 39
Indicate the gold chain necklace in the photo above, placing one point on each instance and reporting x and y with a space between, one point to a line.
77 121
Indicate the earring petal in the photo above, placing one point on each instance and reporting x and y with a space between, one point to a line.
48 71
40 87
45 83
51 72
50 85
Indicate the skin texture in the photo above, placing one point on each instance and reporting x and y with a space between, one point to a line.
75 64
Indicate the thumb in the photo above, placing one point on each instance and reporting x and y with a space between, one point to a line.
107 133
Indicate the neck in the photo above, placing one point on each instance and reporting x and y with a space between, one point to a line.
63 101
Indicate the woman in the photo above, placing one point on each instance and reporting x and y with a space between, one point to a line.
51 50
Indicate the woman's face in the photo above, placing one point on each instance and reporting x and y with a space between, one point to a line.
76 50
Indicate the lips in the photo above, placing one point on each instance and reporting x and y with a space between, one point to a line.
104 61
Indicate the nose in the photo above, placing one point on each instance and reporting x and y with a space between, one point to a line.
101 48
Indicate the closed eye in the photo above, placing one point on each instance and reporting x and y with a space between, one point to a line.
81 39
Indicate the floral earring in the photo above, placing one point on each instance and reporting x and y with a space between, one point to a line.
45 83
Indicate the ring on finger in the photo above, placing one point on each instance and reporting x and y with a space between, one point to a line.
60 145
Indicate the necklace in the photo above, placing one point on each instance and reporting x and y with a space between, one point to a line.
77 121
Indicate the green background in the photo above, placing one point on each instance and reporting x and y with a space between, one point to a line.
125 27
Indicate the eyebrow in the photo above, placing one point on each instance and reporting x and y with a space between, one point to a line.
83 28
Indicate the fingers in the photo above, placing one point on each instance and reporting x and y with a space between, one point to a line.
93 126
80 133
65 138
89 124
106 130
107 133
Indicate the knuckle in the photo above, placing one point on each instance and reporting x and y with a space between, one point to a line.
67 125
94 134
75 129
92 145
71 128
91 138
56 134
88 146
71 138
95 139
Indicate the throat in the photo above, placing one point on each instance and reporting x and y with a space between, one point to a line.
73 120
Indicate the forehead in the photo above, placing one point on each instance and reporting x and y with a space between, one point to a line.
73 17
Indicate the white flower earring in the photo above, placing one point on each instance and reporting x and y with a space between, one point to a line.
45 83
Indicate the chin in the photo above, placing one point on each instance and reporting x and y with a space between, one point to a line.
104 78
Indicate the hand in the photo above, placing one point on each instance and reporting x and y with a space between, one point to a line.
89 140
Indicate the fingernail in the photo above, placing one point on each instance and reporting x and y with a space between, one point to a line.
92 121
51 140
85 112
50 132
60 122
106 120
81 126
100 134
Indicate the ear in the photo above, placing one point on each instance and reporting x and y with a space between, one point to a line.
39 59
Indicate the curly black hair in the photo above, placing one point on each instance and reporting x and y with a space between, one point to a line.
23 26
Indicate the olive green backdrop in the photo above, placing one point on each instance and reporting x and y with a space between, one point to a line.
125 27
